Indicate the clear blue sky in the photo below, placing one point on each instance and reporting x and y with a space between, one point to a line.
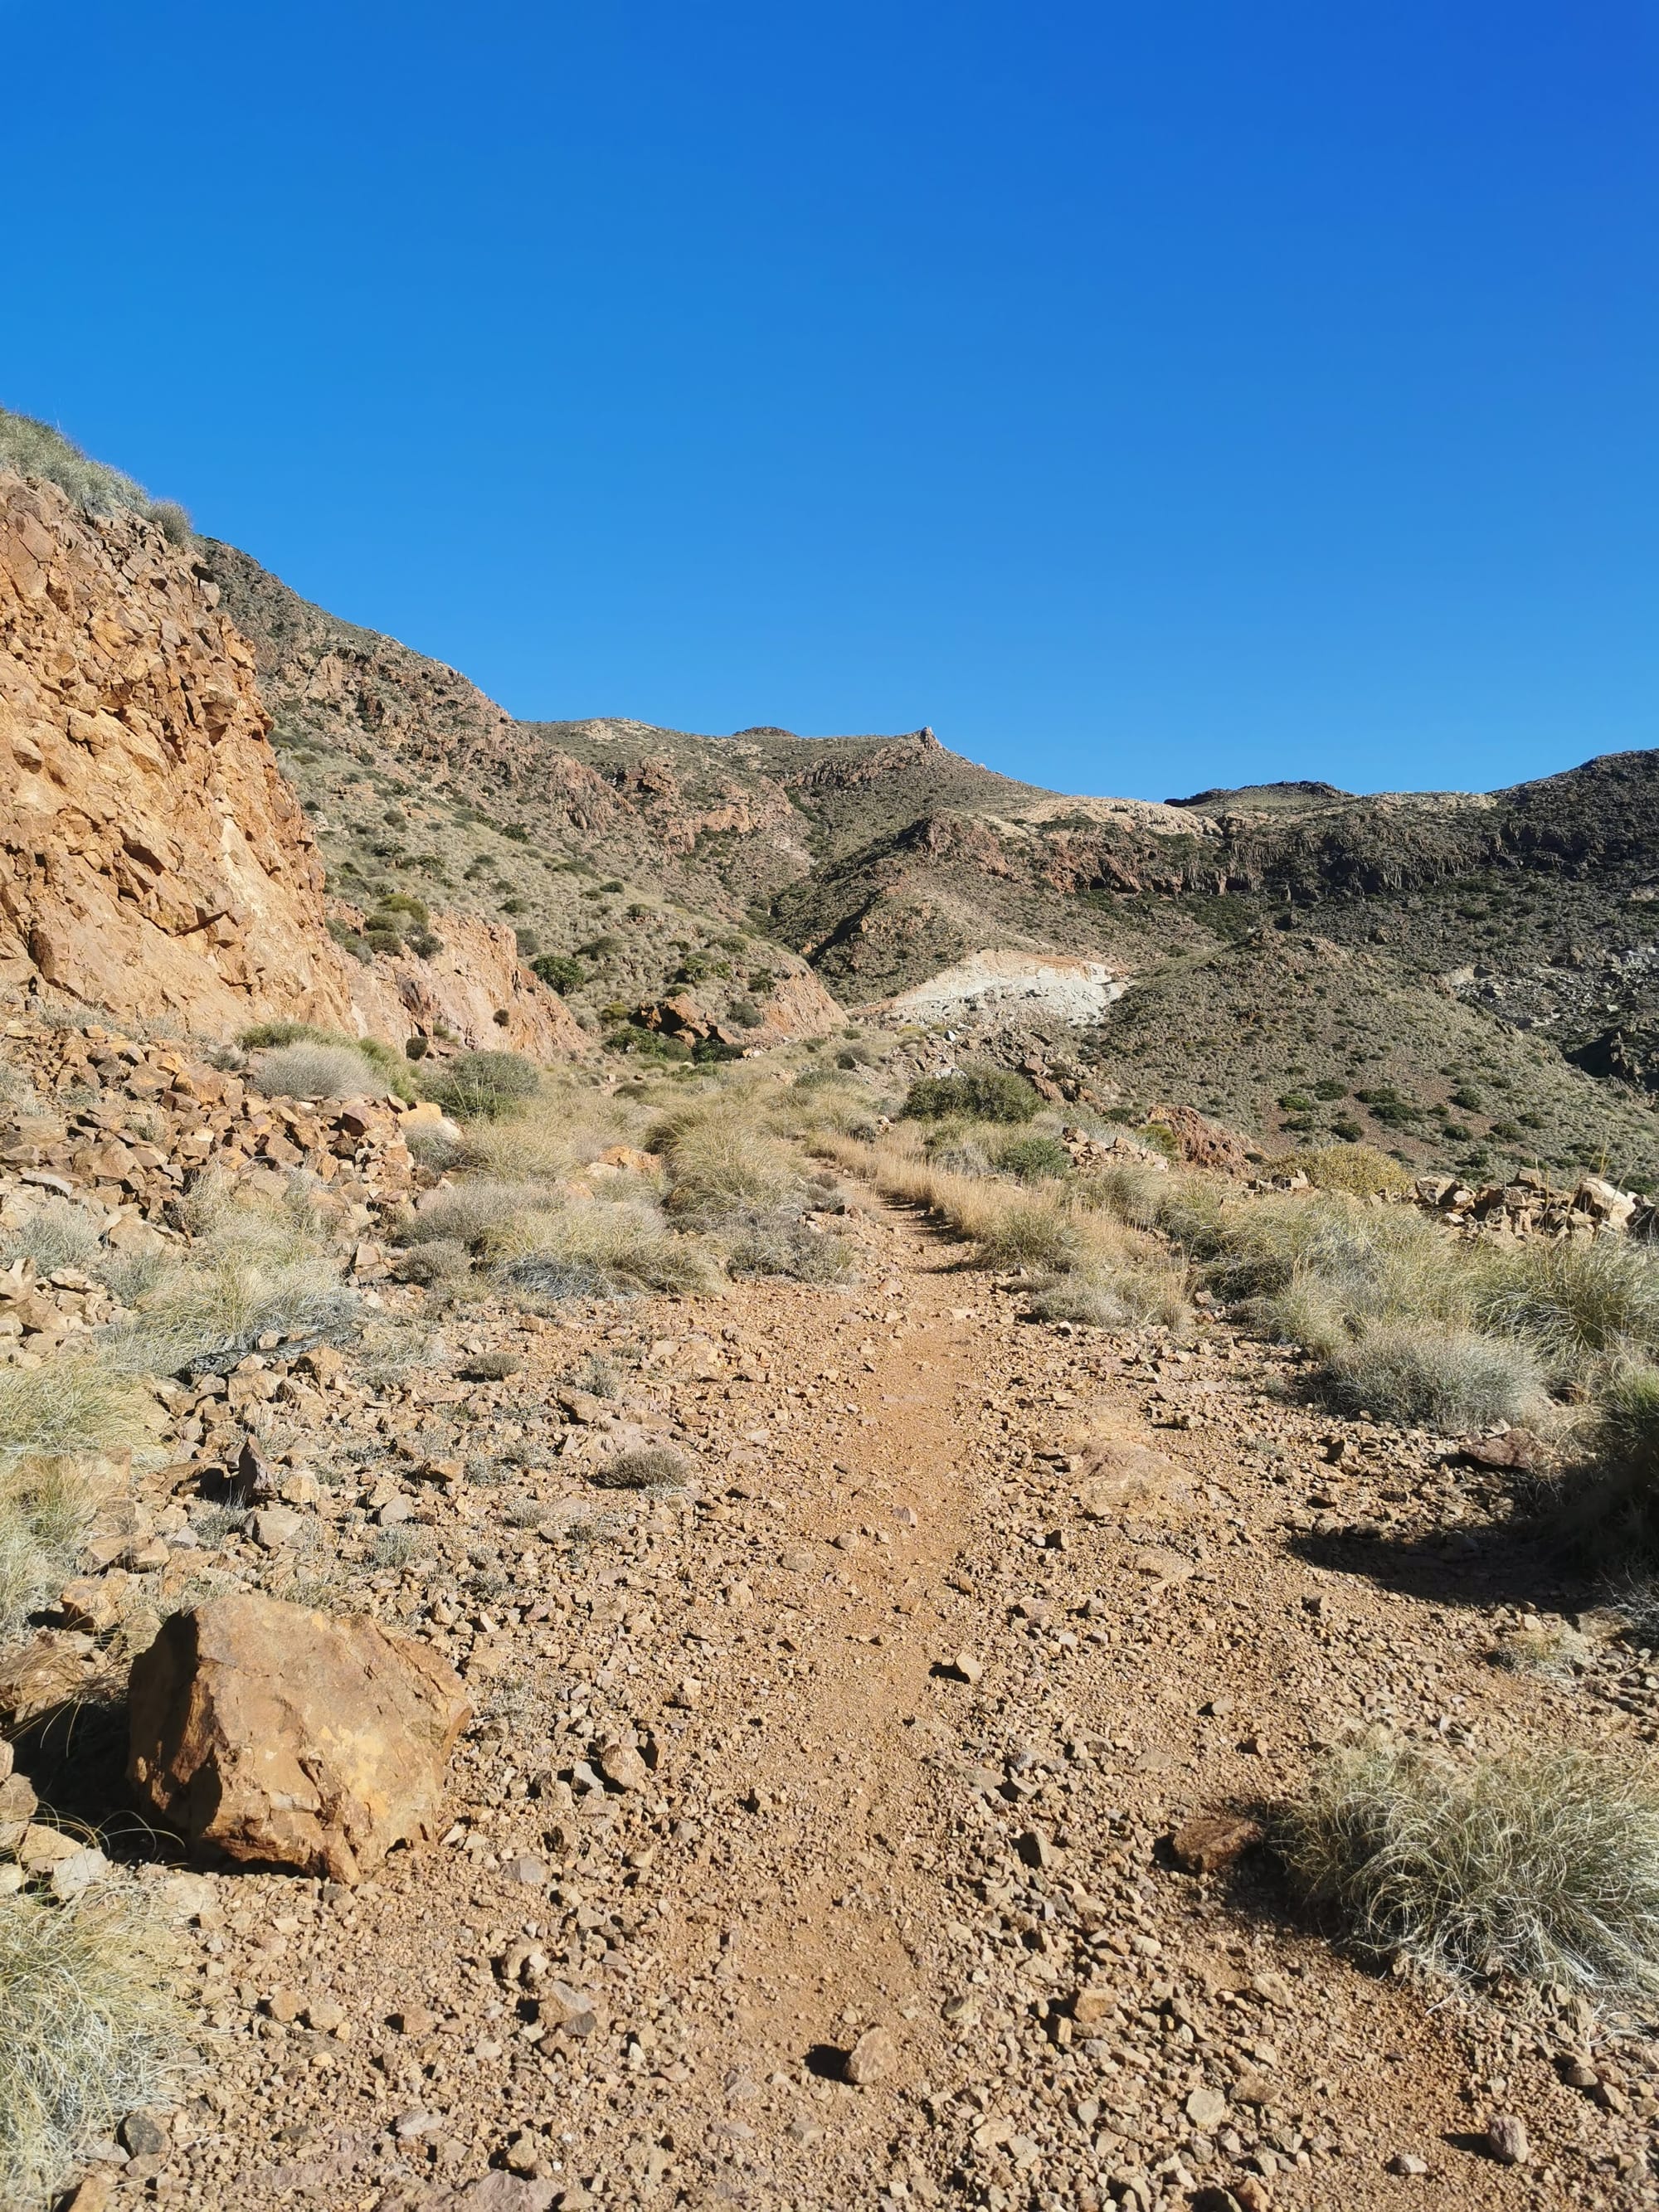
1147 396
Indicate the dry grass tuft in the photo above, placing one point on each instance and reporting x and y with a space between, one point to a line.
89 2030
71 1404
317 1071
47 1507
652 1468
1424 1375
1543 1864
593 1249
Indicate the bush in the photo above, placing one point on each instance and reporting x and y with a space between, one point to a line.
1034 1159
559 971
1359 1170
89 2030
484 1086
1541 1863
975 1094
1421 1374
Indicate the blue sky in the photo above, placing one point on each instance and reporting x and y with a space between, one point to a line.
1147 396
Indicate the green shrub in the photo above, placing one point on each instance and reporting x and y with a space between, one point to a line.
975 1094
482 1086
1034 1159
1540 1862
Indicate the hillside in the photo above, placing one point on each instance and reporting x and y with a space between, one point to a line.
1286 948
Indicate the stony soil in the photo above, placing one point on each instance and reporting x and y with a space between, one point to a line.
859 1757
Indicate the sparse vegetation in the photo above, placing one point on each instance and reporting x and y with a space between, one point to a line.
1538 1862
36 449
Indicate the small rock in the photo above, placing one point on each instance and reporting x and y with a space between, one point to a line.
96 2194
623 1768
1507 2139
1207 2109
324 2015
414 2020
73 1876
965 1667
1406 2162
144 2135
1210 1841
394 1512
283 2005
410 2126
872 2058
526 1869
274 1527
1252 2195
1093 2005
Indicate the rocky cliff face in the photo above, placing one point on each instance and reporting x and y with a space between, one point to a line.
153 858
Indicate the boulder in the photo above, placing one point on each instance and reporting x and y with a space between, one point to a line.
269 1734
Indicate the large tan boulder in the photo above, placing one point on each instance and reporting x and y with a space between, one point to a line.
273 1735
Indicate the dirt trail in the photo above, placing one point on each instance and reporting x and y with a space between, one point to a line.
1164 1600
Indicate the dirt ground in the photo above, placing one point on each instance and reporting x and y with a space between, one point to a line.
860 1758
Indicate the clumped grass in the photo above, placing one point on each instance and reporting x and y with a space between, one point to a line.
89 2029
1570 1299
1612 1505
54 1232
46 1506
1419 1374
981 1093
1090 1266
71 1404
1535 1862
392 1068
652 1467
791 1249
477 1214
33 448
592 1249
257 1266
306 1069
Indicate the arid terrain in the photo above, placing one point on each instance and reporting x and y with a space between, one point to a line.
749 1567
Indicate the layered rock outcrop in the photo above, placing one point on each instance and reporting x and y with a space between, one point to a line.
153 858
